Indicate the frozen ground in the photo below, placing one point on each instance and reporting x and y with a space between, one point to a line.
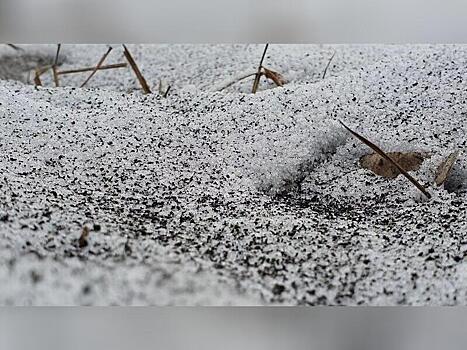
181 193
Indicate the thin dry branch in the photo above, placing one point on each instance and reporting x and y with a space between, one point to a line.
385 156
15 47
259 73
57 54
135 68
54 66
329 64
96 68
89 69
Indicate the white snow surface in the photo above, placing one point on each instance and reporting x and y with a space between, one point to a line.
232 198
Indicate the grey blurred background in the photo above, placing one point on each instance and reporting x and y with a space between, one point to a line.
232 328
297 21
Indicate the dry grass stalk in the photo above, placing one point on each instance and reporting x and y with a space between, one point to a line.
55 75
37 77
328 65
258 72
167 91
163 87
135 68
96 68
233 81
384 155
54 66
89 69
83 239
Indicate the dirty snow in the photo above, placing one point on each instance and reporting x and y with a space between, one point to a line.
227 197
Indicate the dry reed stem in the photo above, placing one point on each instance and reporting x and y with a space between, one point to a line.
89 69
329 63
135 68
259 73
55 75
54 66
96 68
385 156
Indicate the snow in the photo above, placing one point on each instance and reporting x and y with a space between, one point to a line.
230 198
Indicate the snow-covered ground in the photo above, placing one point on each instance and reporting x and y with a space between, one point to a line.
191 199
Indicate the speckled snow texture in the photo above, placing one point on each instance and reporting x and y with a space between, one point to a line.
232 198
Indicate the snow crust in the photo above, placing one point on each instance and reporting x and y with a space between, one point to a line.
227 197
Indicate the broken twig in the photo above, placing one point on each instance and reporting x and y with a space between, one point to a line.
96 68
135 68
385 156
89 69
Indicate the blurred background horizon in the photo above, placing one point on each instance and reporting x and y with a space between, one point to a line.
214 21
232 328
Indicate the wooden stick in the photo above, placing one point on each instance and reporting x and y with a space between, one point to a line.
96 68
135 68
88 69
385 156
329 63
258 73
54 66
